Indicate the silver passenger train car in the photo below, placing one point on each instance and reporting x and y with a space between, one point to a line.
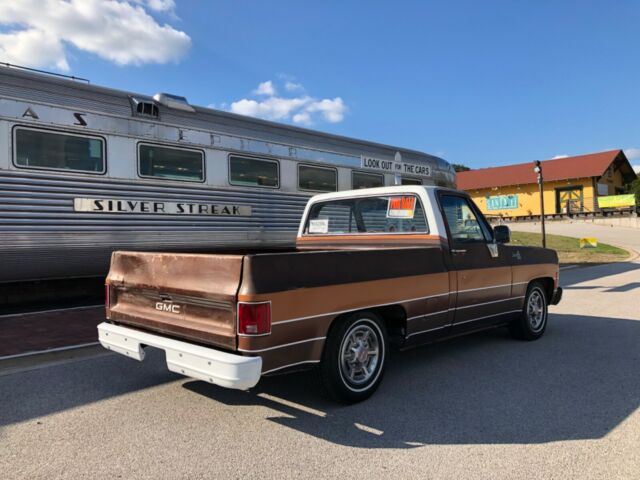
86 170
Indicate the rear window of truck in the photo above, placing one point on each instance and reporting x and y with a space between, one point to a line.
380 214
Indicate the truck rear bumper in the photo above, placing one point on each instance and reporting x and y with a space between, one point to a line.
213 366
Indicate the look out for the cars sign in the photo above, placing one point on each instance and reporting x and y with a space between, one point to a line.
396 168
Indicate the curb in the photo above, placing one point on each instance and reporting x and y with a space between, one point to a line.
24 362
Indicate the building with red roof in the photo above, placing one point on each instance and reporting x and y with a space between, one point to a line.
570 184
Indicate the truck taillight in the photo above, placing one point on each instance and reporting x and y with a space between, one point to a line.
107 299
254 318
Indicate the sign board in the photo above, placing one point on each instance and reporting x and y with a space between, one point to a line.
616 201
118 205
401 207
588 242
502 202
394 167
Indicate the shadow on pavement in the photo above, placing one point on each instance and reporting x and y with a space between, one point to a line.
578 382
585 274
56 388
625 288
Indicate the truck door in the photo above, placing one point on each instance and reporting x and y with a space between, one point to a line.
481 266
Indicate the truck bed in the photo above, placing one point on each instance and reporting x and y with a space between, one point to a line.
194 296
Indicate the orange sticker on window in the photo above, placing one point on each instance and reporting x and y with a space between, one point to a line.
401 207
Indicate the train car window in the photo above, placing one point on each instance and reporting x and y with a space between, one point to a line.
255 172
317 179
43 149
170 163
411 181
366 180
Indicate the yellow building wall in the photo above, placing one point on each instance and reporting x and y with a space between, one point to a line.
529 198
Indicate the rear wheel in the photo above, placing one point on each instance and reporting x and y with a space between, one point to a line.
533 321
354 358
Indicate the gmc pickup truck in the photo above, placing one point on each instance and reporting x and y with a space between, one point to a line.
371 269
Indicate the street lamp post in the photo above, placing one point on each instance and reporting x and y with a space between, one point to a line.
538 170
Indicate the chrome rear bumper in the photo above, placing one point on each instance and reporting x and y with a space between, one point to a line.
213 366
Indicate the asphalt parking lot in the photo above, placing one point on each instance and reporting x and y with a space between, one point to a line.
483 406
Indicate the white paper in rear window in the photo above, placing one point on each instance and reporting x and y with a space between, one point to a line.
319 225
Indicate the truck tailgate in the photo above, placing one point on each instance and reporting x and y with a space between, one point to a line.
190 296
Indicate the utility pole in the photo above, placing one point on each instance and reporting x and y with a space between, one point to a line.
538 170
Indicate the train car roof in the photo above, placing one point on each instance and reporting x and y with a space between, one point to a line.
42 87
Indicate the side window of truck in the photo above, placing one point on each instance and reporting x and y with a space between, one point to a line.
464 224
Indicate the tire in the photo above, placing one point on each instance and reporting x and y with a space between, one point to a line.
349 370
533 321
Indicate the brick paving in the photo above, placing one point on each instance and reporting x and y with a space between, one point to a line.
33 332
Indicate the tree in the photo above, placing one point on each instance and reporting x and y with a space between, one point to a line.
634 187
458 167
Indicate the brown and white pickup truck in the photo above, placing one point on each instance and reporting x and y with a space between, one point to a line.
372 269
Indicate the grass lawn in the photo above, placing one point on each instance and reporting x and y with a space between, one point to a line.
569 250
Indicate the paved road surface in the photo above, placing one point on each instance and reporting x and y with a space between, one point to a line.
484 406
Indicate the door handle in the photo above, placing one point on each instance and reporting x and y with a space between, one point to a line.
458 251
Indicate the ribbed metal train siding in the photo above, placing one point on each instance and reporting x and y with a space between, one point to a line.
43 237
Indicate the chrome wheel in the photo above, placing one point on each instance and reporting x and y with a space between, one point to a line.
536 310
359 355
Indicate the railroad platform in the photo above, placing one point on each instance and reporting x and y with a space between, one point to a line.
50 330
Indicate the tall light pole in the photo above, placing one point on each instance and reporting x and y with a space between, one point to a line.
538 170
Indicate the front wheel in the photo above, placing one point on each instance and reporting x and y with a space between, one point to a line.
354 358
533 321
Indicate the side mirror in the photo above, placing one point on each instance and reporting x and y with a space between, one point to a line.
502 234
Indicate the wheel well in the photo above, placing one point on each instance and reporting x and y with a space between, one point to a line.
393 316
547 283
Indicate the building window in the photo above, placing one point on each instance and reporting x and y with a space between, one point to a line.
43 149
170 163
366 180
317 179
253 172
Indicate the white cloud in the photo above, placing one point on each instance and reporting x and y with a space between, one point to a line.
303 109
265 88
559 156
332 110
632 153
161 5
303 118
273 108
39 32
293 86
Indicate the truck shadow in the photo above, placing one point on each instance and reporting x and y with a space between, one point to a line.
578 382
592 272
56 388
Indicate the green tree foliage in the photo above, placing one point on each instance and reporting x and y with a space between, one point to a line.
458 167
634 187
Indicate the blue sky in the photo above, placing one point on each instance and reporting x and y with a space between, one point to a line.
479 83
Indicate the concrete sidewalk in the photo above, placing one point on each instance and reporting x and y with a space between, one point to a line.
44 331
